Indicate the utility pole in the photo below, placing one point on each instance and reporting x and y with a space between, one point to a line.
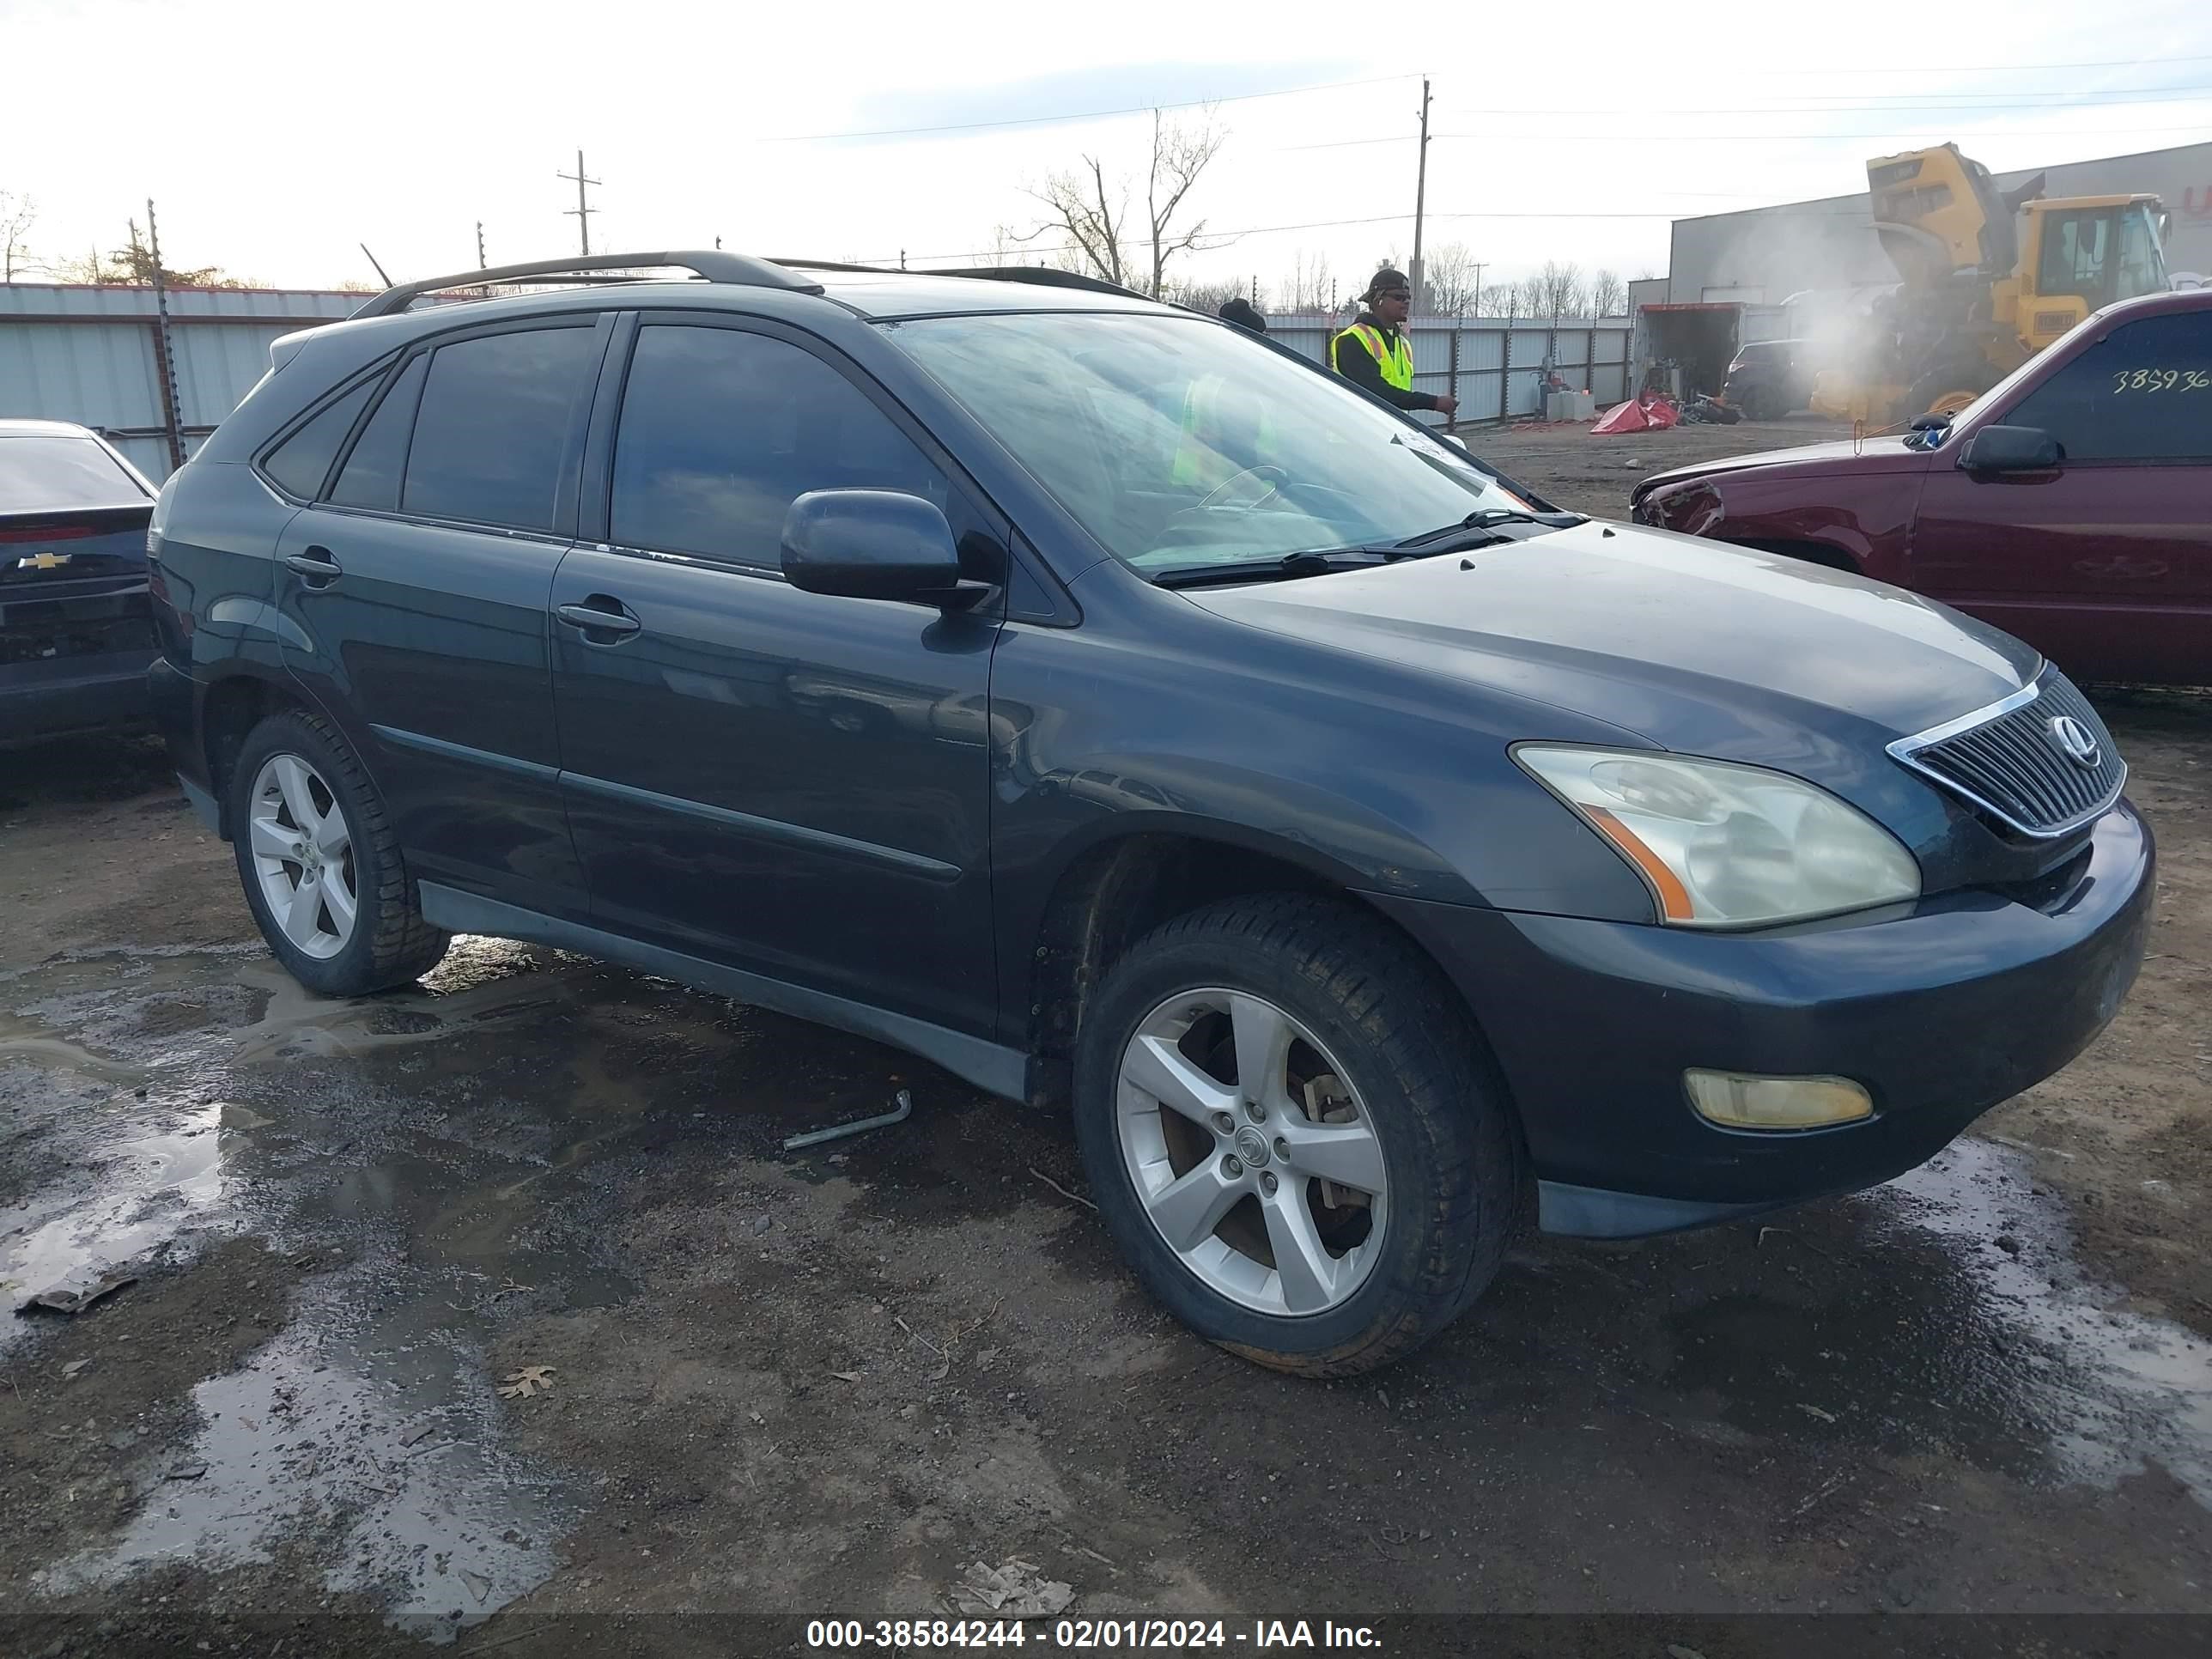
1421 195
583 210
1478 287
482 264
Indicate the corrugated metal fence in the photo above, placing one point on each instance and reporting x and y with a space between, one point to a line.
1495 366
92 356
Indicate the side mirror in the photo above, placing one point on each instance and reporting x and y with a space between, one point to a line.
874 545
2012 449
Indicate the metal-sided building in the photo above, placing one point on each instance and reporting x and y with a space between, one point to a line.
1730 273
93 355
1762 256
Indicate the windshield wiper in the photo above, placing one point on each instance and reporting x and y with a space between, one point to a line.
1445 537
1319 562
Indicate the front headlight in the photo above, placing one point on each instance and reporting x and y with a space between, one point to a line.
1728 846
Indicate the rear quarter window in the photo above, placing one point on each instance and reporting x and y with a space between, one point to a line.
302 461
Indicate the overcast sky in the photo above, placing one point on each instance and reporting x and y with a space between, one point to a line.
273 138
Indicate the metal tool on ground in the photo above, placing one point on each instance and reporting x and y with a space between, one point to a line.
899 1112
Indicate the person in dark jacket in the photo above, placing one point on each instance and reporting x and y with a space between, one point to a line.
1241 311
1373 354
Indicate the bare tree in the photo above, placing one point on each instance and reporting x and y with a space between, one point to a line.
1308 286
1555 291
1094 214
1196 295
1180 154
17 215
1608 294
1005 249
1450 277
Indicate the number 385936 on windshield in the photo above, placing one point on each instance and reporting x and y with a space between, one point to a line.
2162 380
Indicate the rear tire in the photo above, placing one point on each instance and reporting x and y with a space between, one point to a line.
1429 1178
320 862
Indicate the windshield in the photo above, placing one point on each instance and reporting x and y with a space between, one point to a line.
46 472
1177 442
2142 265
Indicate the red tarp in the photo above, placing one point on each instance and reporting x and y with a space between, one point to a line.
1654 412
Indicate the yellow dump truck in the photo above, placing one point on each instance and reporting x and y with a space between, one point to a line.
1987 279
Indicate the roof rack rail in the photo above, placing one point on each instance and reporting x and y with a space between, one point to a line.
714 265
1043 275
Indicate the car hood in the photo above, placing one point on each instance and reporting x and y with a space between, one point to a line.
1838 458
1698 646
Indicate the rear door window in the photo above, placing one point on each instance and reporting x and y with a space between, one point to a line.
370 477
2142 393
494 422
303 460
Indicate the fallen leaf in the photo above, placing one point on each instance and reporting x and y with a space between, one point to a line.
477 1583
1814 1410
192 1470
531 1379
75 1366
422 1432
846 1377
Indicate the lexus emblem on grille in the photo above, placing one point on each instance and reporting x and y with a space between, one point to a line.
42 561
2075 742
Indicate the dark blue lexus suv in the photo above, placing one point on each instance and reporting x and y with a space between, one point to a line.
1124 714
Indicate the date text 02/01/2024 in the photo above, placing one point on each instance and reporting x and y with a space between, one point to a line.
1084 1635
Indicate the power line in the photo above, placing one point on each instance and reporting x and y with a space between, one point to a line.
1755 137
1221 239
1984 69
2190 95
1082 115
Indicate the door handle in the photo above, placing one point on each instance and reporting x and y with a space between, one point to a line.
604 615
317 565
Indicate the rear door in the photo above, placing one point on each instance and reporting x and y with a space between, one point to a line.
415 593
2104 562
787 782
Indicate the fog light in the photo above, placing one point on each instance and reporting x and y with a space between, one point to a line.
1737 1101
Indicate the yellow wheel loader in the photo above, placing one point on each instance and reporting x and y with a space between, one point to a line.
1987 279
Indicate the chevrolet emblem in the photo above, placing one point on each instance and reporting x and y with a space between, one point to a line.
42 561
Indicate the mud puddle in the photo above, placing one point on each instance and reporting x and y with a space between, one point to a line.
2110 1389
378 1438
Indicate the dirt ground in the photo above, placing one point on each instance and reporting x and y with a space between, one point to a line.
827 1383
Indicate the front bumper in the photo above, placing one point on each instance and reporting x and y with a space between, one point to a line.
1941 1012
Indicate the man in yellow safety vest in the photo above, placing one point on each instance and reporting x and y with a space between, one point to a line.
1372 353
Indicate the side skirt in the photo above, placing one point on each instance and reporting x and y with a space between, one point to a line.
990 1066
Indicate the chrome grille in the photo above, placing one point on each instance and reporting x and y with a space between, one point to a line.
2040 761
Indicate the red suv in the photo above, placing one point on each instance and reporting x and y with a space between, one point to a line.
2071 504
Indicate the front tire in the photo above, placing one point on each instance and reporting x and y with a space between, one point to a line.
1295 1135
320 863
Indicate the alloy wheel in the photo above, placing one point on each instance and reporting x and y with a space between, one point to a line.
1251 1152
303 855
